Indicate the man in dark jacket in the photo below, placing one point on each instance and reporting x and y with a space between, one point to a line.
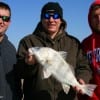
8 85
50 32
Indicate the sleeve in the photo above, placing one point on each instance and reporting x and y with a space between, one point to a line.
83 69
22 69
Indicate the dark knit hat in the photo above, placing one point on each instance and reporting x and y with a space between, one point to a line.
52 7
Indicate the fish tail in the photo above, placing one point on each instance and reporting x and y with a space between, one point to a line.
88 89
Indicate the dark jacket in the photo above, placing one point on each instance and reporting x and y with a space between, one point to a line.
7 79
49 89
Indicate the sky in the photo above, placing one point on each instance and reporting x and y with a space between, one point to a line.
26 15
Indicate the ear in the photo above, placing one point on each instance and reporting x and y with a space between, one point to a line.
9 22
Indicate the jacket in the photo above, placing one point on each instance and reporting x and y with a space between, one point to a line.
34 87
7 62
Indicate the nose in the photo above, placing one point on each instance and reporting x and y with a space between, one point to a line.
51 19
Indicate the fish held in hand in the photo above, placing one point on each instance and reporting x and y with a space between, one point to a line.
54 64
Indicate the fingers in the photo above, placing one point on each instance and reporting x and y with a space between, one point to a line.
77 88
81 81
30 59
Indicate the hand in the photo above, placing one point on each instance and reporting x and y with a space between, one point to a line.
78 88
30 59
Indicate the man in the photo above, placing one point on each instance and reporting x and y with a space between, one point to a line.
7 57
50 32
91 46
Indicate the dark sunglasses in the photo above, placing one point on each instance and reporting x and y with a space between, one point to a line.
54 16
5 18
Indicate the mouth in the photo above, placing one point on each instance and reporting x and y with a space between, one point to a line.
51 25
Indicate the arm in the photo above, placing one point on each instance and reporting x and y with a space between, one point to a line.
25 67
83 70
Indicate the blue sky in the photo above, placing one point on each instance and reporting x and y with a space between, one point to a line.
26 15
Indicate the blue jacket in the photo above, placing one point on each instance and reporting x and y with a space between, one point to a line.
7 77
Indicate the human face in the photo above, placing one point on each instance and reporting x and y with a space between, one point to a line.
51 25
4 24
95 20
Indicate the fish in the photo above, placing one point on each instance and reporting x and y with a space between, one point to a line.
54 64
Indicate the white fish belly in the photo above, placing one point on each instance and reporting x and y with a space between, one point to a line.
64 74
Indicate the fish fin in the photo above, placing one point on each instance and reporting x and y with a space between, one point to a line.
30 50
88 89
66 88
63 54
46 74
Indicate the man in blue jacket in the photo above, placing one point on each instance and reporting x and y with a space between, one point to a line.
7 58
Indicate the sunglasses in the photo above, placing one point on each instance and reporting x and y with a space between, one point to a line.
54 16
5 18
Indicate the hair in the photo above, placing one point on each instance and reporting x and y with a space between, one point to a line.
94 7
5 6
64 24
